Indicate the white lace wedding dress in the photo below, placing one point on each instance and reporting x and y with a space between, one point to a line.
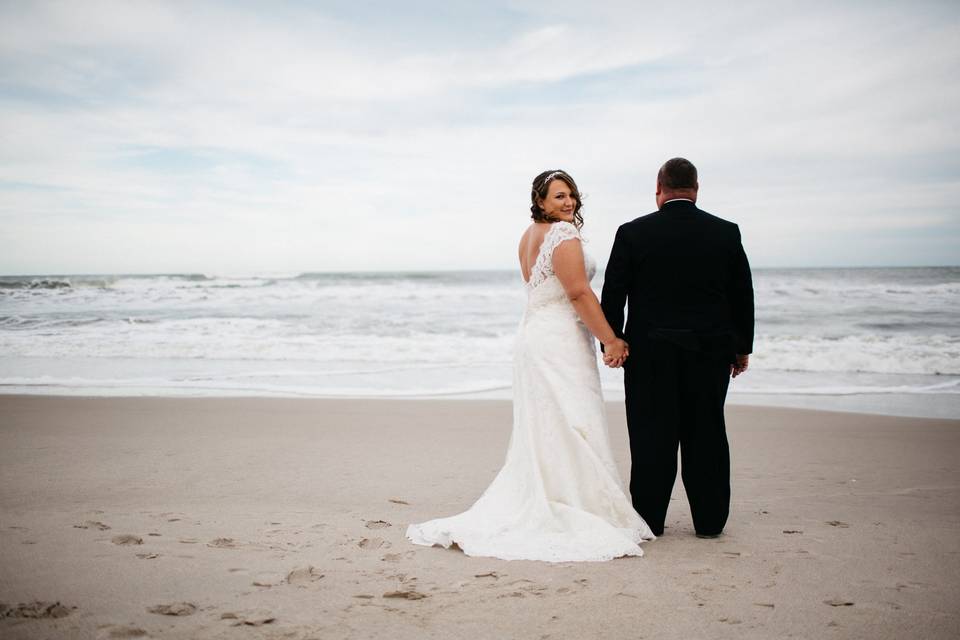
558 496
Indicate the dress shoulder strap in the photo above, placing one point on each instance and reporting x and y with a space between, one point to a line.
560 231
557 233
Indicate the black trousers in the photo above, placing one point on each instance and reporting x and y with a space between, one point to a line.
675 396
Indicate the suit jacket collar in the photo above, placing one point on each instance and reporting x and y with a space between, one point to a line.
678 206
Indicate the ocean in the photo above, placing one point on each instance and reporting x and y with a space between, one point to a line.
879 340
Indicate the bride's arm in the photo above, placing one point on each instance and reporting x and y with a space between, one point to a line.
569 267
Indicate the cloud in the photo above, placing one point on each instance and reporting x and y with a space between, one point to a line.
349 137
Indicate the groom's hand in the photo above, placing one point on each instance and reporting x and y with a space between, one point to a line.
740 365
615 352
614 363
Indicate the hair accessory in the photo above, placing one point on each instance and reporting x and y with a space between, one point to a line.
551 176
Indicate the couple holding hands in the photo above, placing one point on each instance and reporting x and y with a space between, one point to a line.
685 280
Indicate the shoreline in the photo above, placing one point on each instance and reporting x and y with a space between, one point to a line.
945 406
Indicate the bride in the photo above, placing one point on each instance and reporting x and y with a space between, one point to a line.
558 496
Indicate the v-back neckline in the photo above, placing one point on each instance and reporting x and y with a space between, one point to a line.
536 259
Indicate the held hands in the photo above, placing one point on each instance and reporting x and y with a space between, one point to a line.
615 353
740 365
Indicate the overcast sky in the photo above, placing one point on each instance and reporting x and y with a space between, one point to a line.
241 137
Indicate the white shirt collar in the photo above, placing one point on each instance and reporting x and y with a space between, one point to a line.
675 199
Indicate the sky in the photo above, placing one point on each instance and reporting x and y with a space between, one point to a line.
283 137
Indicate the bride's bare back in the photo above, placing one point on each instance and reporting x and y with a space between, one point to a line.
529 248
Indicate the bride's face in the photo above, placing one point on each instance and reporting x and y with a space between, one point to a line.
560 202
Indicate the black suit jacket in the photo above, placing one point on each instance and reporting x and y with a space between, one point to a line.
684 275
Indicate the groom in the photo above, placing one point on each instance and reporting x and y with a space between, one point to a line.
686 281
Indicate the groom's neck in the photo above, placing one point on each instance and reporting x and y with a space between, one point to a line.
665 196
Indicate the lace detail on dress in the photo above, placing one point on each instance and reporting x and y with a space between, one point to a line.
543 266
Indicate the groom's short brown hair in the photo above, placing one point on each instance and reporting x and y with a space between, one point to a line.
677 174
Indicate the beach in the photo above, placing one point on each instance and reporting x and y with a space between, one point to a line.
263 307
285 518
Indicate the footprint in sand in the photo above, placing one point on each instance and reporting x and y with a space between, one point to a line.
398 501
912 584
402 577
269 579
373 543
124 632
458 586
836 602
148 556
304 575
397 557
535 589
837 523
222 543
37 609
377 524
175 609
407 594
126 538
254 619
92 524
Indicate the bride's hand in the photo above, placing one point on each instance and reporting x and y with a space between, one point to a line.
615 352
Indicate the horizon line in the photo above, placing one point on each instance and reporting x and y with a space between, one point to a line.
290 273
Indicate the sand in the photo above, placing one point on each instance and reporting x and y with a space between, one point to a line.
275 518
